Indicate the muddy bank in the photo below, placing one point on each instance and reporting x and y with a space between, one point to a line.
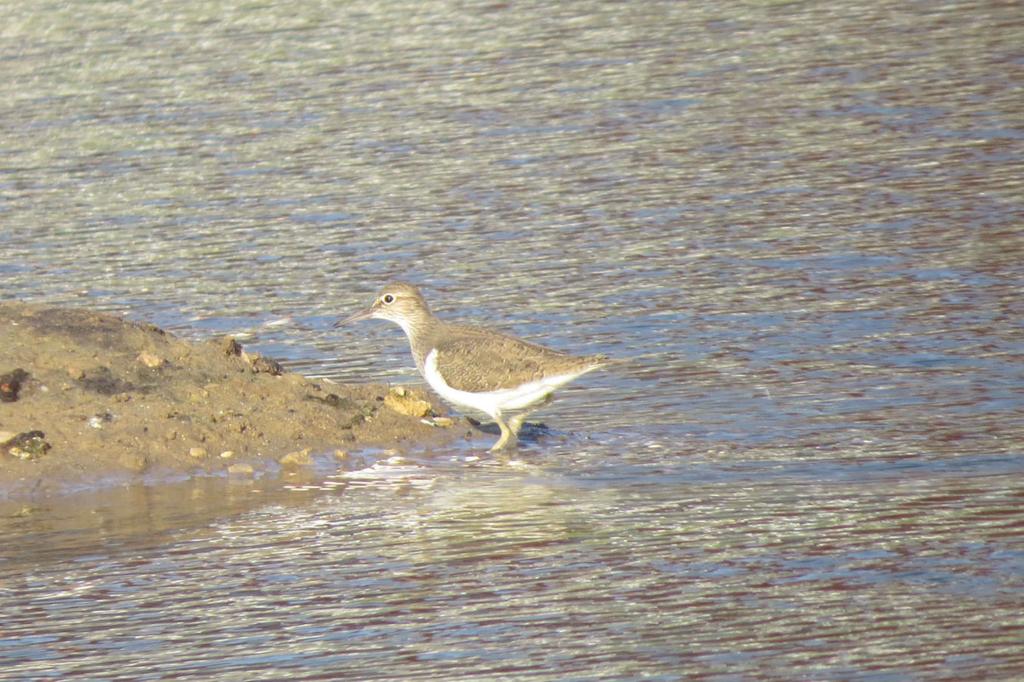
88 398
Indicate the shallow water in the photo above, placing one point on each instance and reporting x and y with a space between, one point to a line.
799 226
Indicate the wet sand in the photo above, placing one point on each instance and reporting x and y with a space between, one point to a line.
90 399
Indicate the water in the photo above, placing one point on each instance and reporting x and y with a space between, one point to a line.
799 226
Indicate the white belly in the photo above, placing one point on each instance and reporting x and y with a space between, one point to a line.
493 403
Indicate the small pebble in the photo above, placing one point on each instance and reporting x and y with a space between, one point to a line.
227 454
300 458
151 360
403 402
439 421
133 461
197 453
230 346
260 363
21 454
240 470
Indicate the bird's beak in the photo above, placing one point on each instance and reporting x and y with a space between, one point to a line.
364 314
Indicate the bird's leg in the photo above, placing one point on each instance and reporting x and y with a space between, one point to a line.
516 422
508 436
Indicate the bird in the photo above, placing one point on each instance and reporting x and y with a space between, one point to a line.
475 368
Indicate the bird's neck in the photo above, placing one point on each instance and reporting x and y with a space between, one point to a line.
420 329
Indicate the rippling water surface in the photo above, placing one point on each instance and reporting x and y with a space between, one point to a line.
799 226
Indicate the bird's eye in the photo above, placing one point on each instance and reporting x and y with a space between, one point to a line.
388 299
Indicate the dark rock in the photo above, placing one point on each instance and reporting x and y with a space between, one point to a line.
27 445
10 384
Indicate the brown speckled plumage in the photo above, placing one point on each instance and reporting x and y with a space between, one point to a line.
474 359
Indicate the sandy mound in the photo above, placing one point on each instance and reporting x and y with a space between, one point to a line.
88 398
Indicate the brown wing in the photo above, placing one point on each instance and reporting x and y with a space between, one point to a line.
473 360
